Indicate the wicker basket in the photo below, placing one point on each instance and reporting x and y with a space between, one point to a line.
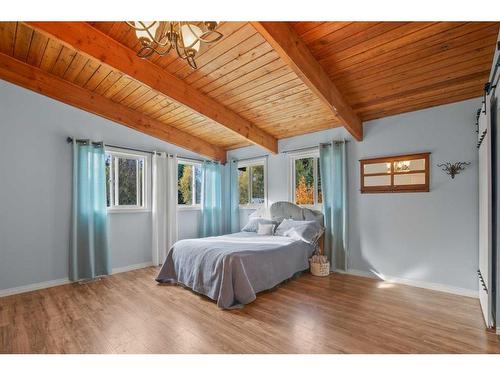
320 269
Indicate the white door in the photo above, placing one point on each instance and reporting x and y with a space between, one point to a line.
485 219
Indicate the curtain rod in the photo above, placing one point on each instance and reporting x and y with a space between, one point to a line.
69 140
293 150
312 147
252 158
191 159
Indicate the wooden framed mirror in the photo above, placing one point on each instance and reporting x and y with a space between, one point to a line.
395 174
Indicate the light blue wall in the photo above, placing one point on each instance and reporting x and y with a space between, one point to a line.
35 188
429 237
421 236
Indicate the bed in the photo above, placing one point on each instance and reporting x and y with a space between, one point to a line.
233 268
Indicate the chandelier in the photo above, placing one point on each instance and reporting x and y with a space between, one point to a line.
186 38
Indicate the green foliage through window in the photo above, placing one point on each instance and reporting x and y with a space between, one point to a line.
189 184
251 184
125 176
127 182
243 174
306 190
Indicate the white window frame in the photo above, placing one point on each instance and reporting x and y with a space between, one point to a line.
146 177
248 164
291 180
192 206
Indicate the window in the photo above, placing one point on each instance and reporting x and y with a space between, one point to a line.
404 173
306 179
126 181
189 179
252 182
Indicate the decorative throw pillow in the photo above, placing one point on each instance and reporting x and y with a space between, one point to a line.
285 225
265 229
307 231
253 224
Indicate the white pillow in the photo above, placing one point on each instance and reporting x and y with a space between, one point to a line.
307 231
285 225
253 224
265 229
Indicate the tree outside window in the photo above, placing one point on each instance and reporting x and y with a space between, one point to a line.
251 184
125 180
307 181
189 181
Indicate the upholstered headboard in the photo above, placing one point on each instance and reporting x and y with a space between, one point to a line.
288 210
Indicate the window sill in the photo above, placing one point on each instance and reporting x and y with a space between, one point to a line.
128 210
188 208
318 207
256 207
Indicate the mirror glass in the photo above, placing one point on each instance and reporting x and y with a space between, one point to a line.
409 179
409 165
373 168
377 180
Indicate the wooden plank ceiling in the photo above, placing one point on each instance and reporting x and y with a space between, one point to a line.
381 69
386 68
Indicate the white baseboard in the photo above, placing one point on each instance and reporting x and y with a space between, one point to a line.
416 283
32 287
391 279
52 283
131 267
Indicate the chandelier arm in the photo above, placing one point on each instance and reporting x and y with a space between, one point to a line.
143 28
185 55
179 53
150 47
191 62
163 44
164 52
171 37
203 37
145 52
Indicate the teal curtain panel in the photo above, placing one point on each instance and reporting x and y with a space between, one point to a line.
233 203
211 202
89 250
333 184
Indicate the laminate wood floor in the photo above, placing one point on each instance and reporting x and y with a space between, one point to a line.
131 313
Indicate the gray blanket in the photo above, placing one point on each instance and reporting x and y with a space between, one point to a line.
231 269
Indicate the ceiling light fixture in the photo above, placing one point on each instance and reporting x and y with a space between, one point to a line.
162 36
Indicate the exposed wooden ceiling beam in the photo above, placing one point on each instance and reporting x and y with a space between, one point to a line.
35 79
283 38
86 39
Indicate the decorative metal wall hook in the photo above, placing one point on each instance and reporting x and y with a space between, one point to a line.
453 169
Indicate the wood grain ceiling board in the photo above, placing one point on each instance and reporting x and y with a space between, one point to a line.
54 58
382 69
295 53
387 68
50 85
94 44
244 73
